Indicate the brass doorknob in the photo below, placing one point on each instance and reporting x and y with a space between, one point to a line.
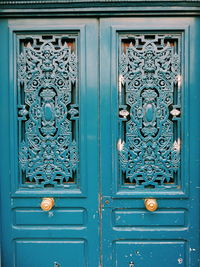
47 203
151 204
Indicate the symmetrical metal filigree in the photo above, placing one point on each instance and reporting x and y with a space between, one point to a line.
48 110
149 109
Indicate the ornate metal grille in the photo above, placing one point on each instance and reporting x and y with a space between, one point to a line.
48 112
149 110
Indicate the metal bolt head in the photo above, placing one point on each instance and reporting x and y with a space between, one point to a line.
180 260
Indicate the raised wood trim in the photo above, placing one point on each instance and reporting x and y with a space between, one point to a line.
98 8
91 1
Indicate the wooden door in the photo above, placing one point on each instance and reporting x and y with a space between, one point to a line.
49 168
136 106
150 141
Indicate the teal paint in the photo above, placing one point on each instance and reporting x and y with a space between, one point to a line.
72 233
98 8
131 234
72 225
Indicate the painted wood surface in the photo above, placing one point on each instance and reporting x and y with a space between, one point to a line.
99 218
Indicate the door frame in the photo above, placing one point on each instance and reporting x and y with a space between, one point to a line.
78 9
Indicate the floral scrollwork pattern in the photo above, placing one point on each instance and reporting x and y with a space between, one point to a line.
48 111
150 110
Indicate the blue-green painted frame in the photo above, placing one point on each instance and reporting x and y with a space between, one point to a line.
80 188
127 191
109 105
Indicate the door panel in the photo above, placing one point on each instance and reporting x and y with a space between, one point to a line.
52 143
148 141
146 253
150 111
48 111
50 253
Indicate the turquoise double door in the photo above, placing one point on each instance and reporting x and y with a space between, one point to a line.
100 142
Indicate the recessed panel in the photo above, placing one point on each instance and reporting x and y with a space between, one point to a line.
150 254
65 217
160 218
55 253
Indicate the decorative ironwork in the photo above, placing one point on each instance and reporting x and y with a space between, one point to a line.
48 112
149 110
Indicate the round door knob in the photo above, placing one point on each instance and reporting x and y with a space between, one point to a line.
47 203
151 204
